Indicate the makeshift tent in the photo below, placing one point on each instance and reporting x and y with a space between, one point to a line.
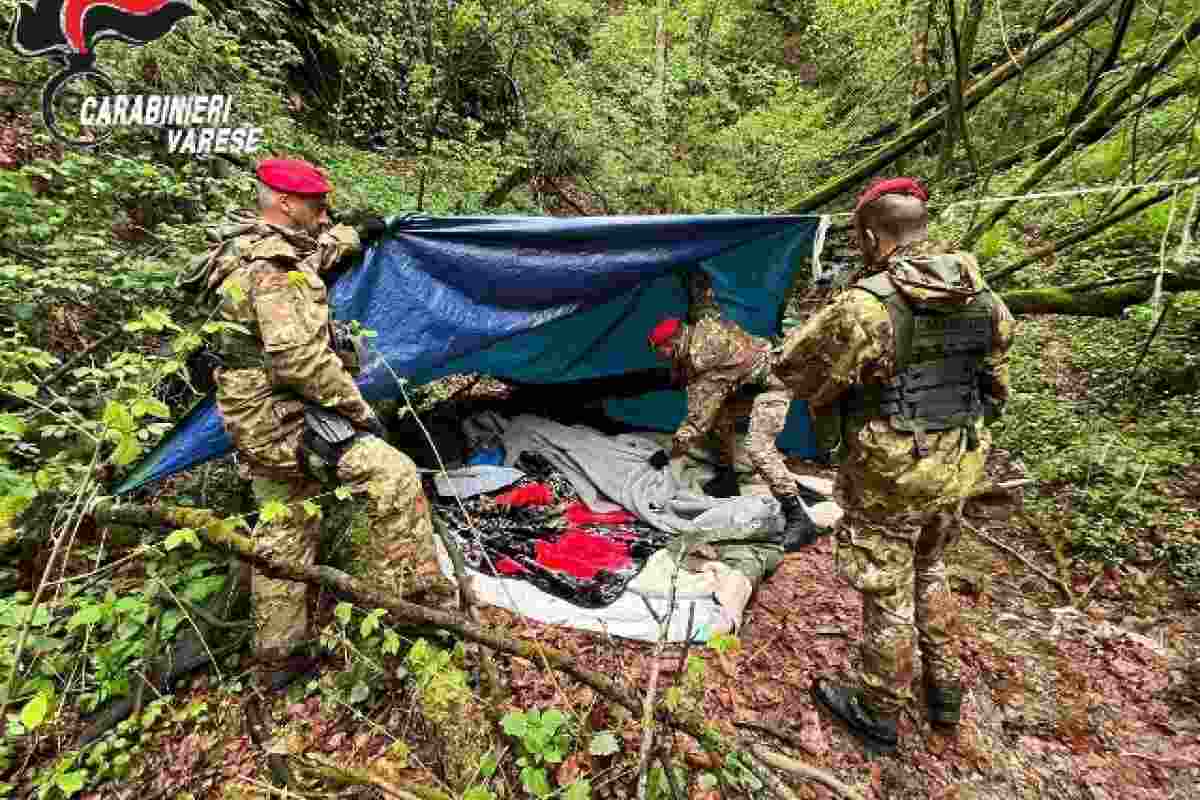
542 300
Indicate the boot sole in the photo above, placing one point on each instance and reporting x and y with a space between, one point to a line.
870 743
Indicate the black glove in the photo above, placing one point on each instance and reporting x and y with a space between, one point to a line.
725 484
660 459
371 229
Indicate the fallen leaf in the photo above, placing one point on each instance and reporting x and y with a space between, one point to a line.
569 770
812 735
698 759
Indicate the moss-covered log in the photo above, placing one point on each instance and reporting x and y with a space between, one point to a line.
1101 302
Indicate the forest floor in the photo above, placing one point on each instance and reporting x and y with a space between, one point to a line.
1097 703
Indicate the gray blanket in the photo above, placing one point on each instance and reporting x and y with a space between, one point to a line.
612 473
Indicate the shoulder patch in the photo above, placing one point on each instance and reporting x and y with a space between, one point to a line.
272 248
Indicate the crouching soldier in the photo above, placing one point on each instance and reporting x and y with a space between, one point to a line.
915 355
723 368
291 407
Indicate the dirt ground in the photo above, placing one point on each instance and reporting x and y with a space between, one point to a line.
1094 705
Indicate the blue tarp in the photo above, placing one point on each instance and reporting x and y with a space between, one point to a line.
541 300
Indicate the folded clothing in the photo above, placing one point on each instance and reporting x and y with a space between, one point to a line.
579 514
534 494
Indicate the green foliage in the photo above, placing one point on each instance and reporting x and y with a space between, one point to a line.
1114 457
546 739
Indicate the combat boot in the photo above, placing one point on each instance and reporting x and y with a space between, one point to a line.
724 484
945 703
799 529
876 729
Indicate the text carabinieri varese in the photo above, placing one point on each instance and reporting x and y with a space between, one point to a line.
194 123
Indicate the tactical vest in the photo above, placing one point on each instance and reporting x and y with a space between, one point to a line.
939 362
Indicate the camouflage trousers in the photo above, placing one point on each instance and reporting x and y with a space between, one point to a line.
897 564
768 413
393 541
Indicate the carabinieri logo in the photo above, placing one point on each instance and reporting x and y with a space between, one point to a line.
67 32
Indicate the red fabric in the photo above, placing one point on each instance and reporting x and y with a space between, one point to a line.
535 494
583 554
506 566
579 514
877 189
663 331
292 176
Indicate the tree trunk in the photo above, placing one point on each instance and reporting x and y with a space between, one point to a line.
921 15
1108 302
971 98
1110 58
1143 75
1070 241
505 187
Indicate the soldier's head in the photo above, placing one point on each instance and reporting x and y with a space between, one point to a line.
663 337
890 214
294 194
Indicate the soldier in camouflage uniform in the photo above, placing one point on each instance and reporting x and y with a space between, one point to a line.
914 359
728 376
265 275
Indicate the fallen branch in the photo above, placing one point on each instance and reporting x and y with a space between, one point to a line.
785 764
1182 763
782 735
773 782
326 769
1053 581
221 534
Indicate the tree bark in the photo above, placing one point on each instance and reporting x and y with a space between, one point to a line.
971 98
957 131
1142 76
1108 302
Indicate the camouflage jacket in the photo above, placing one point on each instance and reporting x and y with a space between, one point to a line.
714 358
267 280
851 342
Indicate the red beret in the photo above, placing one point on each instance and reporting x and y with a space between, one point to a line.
293 176
909 186
663 331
